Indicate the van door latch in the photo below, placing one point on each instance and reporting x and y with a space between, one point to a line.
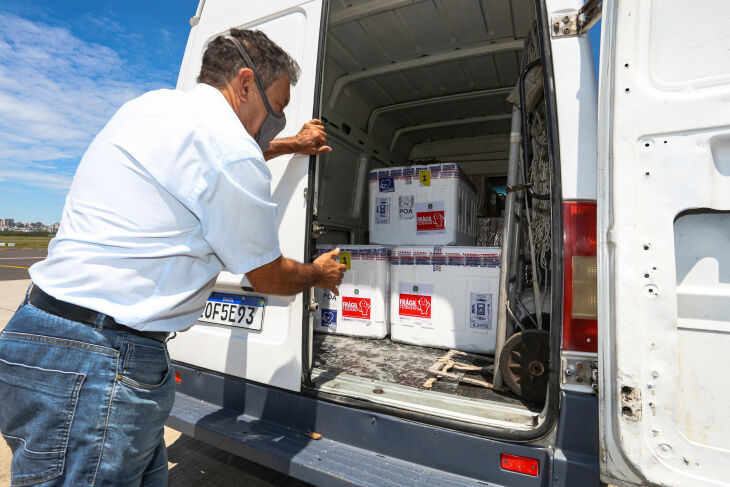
594 376
577 22
318 229
580 372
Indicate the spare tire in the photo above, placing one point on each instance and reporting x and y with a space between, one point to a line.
525 364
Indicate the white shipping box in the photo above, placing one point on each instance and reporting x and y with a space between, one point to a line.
362 308
445 297
431 204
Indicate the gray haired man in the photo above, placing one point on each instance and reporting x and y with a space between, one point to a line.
173 190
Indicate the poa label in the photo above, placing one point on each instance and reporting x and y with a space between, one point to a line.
406 207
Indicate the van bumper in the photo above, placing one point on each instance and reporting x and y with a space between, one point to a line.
270 427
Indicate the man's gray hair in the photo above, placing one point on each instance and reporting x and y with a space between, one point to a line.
222 61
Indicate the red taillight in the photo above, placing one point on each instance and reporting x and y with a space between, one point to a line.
178 379
525 465
580 278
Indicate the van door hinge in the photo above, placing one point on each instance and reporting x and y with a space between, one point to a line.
577 22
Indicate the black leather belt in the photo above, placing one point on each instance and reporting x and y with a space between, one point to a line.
49 304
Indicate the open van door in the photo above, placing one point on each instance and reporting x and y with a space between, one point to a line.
664 242
271 352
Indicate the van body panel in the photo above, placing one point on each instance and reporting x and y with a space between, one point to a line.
274 354
576 92
575 461
361 447
664 242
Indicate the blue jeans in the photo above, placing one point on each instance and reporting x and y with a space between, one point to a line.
81 405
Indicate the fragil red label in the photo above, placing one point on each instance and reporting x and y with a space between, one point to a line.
414 305
353 307
430 220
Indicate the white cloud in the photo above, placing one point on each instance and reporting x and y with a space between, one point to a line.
56 92
40 179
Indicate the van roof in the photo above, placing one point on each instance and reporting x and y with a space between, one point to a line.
426 76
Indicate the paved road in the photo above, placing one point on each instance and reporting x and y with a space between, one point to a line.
192 463
14 263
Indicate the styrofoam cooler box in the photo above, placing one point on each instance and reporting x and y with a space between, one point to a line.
431 204
445 297
362 308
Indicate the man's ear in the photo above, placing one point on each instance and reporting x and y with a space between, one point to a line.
244 84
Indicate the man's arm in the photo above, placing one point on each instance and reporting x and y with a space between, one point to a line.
310 140
288 277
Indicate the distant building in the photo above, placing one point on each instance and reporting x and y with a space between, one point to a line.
10 224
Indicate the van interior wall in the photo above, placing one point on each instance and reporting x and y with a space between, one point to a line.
417 81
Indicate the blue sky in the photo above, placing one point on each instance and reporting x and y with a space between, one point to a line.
65 67
595 36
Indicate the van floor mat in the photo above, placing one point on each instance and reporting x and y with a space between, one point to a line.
476 392
397 363
382 360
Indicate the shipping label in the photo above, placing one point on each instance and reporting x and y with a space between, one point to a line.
481 311
406 207
386 184
355 307
414 306
414 302
382 211
329 318
424 177
431 217
345 258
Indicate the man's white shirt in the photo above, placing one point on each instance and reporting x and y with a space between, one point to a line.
171 191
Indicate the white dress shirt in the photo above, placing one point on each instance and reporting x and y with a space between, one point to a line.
171 191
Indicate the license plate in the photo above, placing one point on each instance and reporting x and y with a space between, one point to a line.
234 310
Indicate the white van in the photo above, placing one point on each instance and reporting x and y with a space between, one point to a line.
614 320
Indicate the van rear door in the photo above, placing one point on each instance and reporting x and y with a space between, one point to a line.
664 242
273 354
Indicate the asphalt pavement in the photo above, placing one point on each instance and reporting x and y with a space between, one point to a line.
191 463
14 263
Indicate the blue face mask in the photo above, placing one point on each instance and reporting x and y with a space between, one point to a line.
274 122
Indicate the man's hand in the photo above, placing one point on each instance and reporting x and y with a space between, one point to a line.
310 140
288 277
331 273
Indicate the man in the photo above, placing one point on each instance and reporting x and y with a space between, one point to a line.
173 190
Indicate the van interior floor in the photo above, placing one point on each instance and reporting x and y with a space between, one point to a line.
401 364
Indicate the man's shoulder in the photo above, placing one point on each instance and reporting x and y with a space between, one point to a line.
164 122
219 120
157 115
158 104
